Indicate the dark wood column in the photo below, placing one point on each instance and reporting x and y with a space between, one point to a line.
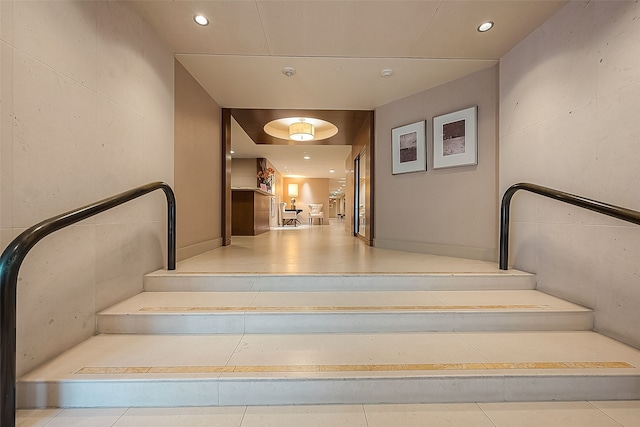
226 177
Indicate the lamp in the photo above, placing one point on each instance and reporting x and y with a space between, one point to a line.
293 193
301 131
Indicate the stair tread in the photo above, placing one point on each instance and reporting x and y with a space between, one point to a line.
340 355
182 303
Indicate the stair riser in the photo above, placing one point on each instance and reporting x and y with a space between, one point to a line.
279 391
284 323
320 283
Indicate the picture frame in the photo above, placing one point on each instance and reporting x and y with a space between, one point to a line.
409 148
455 139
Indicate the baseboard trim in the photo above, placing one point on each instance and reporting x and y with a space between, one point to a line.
198 248
481 254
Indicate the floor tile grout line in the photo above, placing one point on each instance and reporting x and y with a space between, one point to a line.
244 414
479 405
364 412
604 413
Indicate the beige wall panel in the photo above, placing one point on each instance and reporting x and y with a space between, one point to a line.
445 211
87 112
568 120
6 135
244 173
198 166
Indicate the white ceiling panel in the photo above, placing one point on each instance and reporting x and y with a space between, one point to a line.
345 28
355 83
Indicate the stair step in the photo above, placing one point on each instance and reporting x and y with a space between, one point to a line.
167 281
209 370
308 312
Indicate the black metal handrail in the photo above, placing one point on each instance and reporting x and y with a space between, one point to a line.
12 258
593 205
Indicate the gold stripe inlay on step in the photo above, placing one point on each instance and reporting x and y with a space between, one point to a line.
352 368
211 309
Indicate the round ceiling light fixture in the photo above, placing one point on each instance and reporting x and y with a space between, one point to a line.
301 129
386 73
201 20
485 26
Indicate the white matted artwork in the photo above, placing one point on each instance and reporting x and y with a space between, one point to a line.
408 148
455 139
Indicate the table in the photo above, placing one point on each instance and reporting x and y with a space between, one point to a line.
297 211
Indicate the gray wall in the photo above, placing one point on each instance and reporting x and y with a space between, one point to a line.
445 211
569 97
86 93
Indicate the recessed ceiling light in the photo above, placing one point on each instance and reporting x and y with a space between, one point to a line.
485 26
332 170
232 152
201 20
306 157
387 72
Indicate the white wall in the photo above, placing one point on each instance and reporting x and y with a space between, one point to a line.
445 211
569 97
86 97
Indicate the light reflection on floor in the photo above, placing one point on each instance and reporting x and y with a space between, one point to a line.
325 248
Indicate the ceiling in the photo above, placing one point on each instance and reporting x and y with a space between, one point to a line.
338 50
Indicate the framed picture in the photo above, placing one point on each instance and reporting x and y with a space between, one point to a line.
408 148
455 139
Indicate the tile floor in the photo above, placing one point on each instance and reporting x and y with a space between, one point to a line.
321 249
549 414
329 249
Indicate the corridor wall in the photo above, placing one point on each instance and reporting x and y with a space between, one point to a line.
445 211
86 98
569 97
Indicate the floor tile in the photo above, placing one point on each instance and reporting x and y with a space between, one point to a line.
307 416
357 349
324 249
87 417
552 414
35 417
125 351
551 347
504 297
452 415
342 299
522 414
182 299
625 412
182 417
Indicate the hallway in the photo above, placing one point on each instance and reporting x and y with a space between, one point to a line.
321 249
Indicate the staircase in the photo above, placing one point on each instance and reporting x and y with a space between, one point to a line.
205 339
